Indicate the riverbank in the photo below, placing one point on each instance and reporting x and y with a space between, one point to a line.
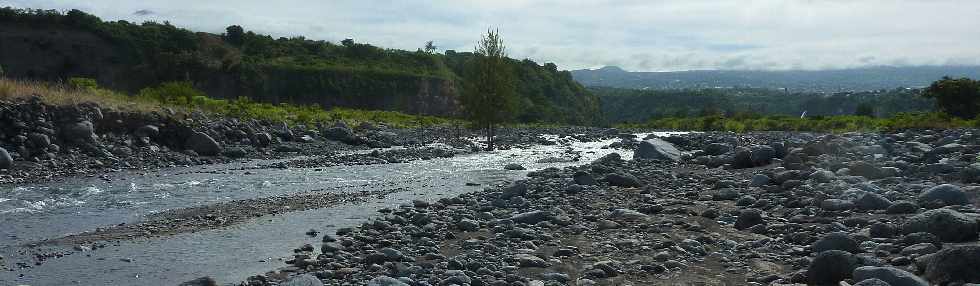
759 209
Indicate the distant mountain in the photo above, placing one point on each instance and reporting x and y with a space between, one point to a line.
860 79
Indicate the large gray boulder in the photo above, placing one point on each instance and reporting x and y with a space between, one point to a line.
658 150
944 194
81 131
385 281
302 280
894 276
872 201
748 218
716 149
836 241
947 224
953 264
971 174
202 144
623 180
762 155
6 162
339 132
831 267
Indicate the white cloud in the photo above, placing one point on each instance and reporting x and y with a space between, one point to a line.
634 34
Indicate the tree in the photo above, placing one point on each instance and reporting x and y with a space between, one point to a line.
235 35
865 109
957 97
489 96
430 47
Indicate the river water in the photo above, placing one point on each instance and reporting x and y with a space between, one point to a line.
32 213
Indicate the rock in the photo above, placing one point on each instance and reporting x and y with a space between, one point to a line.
893 276
971 174
584 178
823 176
339 132
516 189
148 131
527 260
263 139
203 281
882 230
514 167
865 169
39 140
762 155
872 282
836 205
953 264
919 249
836 241
203 144
831 267
872 201
627 214
657 149
468 225
716 149
748 218
946 194
6 162
902 207
725 195
531 217
385 281
81 131
623 180
235 152
759 180
948 225
743 158
302 280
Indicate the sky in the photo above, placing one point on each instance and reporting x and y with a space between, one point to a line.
637 35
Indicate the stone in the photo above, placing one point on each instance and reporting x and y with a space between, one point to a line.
202 144
81 131
263 139
235 152
762 155
823 176
882 230
920 249
836 241
971 174
872 201
385 281
516 189
865 169
946 194
759 180
527 260
584 178
947 224
203 281
902 207
836 205
893 276
531 217
872 282
953 264
514 167
657 149
748 218
302 280
6 162
339 132
623 180
831 267
716 149
149 131
468 225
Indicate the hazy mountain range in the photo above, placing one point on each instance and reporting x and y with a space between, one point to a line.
858 79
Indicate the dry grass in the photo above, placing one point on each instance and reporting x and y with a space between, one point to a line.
60 94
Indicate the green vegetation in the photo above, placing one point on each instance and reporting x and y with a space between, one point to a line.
301 71
958 97
490 97
840 123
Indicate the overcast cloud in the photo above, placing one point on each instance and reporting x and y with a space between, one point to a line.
634 34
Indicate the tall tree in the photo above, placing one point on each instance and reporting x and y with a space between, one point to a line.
490 95
957 97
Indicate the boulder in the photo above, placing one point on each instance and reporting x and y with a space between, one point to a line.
831 267
872 201
762 155
716 149
944 195
203 144
872 282
947 224
836 205
149 131
865 169
584 178
81 131
386 281
953 264
339 132
514 167
302 280
971 174
902 207
531 217
836 241
893 276
623 180
759 180
203 281
657 149
263 139
6 162
748 218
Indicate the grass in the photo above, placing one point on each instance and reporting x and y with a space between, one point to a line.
834 124
181 97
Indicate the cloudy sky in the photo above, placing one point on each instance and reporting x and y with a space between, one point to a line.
640 35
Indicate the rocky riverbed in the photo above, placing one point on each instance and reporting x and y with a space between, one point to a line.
694 209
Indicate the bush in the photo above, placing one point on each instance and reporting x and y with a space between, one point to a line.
83 83
176 93
957 97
